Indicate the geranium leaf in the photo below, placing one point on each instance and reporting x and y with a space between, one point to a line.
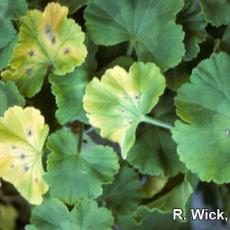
192 20
8 30
72 175
70 89
178 197
53 214
9 96
73 5
146 25
8 217
216 11
125 97
47 40
69 92
154 152
16 9
203 141
124 194
224 44
144 218
22 136
6 53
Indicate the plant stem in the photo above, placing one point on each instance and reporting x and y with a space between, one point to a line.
130 48
157 122
80 138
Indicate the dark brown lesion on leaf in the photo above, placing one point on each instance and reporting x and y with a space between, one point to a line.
48 29
31 53
22 156
29 132
29 71
49 34
66 50
26 168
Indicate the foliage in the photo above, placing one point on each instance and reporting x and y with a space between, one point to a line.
112 113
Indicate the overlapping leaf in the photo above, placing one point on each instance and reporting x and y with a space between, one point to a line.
203 141
53 214
154 152
10 10
22 136
217 12
124 194
149 26
146 219
48 40
72 175
9 96
69 90
118 103
192 20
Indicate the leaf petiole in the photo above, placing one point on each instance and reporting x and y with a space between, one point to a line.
156 122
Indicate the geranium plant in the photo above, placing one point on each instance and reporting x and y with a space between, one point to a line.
113 113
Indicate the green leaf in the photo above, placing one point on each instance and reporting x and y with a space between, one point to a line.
177 197
9 96
6 53
16 9
72 175
153 185
124 194
69 90
177 76
148 26
47 40
224 44
8 30
125 97
73 5
192 20
146 219
8 216
53 214
203 141
216 12
154 152
22 136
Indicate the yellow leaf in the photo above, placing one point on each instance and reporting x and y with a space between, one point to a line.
22 136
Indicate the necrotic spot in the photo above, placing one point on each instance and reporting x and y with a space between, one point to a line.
31 53
26 168
48 29
66 50
22 156
29 132
29 71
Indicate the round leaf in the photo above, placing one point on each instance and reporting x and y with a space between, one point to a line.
22 136
148 25
217 12
203 141
192 20
46 39
72 175
124 97
9 96
53 214
124 194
